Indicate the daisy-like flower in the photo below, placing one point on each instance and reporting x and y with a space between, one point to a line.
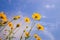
36 36
27 34
18 25
3 19
27 20
10 24
3 16
16 17
40 27
36 16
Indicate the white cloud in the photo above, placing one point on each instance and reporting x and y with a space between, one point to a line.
44 17
50 6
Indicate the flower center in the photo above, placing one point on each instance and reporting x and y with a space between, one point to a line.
39 27
35 36
1 17
36 17
26 20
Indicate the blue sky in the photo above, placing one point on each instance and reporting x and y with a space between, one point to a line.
49 9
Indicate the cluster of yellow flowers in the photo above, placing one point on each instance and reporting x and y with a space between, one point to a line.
3 18
36 16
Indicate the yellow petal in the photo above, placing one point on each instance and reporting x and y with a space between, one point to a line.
10 24
3 16
36 16
26 34
36 36
16 17
27 20
40 27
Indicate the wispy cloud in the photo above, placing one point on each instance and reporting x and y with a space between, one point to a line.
44 16
50 6
47 33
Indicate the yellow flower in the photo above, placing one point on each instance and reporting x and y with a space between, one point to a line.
40 27
27 34
18 25
16 17
3 19
36 36
26 19
10 24
3 16
36 16
2 23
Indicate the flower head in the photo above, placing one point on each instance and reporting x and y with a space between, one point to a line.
16 17
40 27
18 25
36 16
27 34
3 16
10 24
3 19
27 20
36 36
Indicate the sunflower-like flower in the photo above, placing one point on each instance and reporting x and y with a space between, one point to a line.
27 34
16 17
3 19
27 20
18 25
3 16
10 24
40 27
37 37
36 16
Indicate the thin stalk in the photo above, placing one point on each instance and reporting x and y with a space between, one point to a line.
22 34
31 29
5 26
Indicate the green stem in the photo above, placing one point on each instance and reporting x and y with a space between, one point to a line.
31 29
9 35
17 30
22 34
